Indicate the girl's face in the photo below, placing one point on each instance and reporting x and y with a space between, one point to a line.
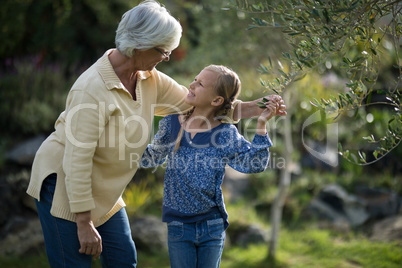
201 90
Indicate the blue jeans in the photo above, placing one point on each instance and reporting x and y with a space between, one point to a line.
196 245
61 239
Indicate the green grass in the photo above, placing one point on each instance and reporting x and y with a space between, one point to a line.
158 259
301 245
145 259
34 261
298 248
314 248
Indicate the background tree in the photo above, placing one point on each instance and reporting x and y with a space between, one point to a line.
70 31
352 37
45 44
362 33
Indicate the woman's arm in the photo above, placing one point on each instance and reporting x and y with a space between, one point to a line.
251 109
83 126
84 123
90 240
171 97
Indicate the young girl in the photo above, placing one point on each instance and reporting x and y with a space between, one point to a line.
198 147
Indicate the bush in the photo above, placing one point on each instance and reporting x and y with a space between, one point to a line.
31 98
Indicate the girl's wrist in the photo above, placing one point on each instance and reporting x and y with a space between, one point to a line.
261 128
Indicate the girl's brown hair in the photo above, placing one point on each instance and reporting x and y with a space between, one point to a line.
227 85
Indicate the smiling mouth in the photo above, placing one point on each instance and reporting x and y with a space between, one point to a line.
190 94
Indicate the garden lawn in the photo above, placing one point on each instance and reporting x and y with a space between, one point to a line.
314 248
301 248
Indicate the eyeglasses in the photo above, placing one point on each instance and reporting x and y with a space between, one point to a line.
165 54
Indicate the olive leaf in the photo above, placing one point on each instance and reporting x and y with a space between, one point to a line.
263 104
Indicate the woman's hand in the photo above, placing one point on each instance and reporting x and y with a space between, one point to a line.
251 109
90 240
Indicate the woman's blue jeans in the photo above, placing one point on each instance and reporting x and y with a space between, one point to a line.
61 239
196 245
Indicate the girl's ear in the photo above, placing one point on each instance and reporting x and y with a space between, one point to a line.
218 101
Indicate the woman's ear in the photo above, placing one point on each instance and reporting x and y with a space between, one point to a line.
218 101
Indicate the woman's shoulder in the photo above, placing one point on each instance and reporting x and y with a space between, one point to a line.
157 75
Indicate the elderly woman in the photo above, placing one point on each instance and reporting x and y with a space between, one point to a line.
82 168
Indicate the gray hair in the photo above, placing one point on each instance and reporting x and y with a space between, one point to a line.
146 26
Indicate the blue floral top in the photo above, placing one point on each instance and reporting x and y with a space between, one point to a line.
194 173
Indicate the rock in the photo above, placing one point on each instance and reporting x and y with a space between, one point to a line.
247 234
339 207
24 153
254 234
389 229
326 211
12 192
149 233
6 193
20 230
339 226
335 204
379 202
21 236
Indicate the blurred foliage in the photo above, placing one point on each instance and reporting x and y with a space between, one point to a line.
45 45
74 32
144 195
358 39
136 196
215 34
31 98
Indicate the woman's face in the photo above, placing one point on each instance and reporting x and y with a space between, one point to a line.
201 90
147 60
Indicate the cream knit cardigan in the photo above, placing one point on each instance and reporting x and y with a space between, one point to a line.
99 139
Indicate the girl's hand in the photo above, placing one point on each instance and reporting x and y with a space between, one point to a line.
272 109
281 111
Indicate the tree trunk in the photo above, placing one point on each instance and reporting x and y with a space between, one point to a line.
283 187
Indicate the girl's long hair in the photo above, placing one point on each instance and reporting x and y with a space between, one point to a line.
227 85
